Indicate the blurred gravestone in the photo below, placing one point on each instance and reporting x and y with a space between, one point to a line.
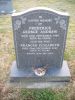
39 38
6 7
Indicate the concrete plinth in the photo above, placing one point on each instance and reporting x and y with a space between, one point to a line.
27 78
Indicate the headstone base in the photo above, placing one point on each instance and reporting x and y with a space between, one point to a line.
29 80
37 85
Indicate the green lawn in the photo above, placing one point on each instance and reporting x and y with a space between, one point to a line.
7 54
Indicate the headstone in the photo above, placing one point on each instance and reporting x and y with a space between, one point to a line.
6 7
39 39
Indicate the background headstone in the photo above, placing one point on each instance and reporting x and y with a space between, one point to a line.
39 39
6 6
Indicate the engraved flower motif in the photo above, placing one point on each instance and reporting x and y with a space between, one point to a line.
23 19
61 22
17 24
57 20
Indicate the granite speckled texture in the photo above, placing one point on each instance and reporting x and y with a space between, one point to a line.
39 39
53 74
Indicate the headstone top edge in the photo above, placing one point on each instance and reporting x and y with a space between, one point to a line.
40 8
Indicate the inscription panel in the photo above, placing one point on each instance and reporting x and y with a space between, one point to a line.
40 37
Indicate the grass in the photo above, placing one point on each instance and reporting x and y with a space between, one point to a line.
21 4
7 54
44 94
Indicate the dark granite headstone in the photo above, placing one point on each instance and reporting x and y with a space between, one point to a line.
6 6
39 39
